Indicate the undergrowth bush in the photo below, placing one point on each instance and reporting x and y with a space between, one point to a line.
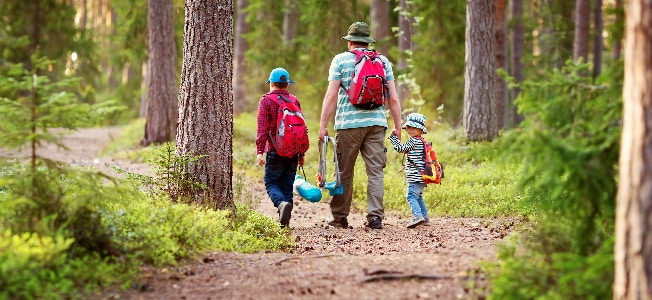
68 232
568 147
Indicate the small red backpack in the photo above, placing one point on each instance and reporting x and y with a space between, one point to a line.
368 88
292 134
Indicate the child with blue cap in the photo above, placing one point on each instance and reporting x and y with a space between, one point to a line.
280 171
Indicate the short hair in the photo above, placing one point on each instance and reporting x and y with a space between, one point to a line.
360 43
281 85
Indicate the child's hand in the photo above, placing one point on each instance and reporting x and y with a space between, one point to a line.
394 132
260 160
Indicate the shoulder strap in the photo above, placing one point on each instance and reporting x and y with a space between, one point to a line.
281 97
425 148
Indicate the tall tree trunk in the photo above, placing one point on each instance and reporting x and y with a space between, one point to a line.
240 100
162 72
501 63
582 22
597 39
633 250
479 119
618 44
205 100
516 61
405 28
380 25
290 19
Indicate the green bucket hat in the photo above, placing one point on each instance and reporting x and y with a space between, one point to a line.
359 32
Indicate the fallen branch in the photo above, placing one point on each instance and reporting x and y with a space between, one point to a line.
278 263
390 276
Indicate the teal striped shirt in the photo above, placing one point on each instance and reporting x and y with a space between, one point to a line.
348 116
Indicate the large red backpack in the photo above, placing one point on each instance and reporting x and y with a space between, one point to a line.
292 134
433 172
368 88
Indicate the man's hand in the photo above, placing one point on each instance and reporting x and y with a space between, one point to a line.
260 160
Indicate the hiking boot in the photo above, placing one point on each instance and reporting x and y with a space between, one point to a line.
375 223
284 213
416 222
342 223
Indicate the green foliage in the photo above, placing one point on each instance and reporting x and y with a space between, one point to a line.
171 175
35 105
568 147
476 184
545 268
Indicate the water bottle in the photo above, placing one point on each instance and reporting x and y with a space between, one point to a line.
306 190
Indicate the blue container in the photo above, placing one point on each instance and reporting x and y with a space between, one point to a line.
306 190
334 189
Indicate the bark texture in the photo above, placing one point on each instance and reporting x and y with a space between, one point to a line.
479 118
205 99
582 23
162 74
516 58
240 100
633 253
501 63
380 25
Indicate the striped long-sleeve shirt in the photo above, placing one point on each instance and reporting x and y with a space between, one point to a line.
415 161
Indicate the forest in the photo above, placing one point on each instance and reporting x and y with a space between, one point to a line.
540 111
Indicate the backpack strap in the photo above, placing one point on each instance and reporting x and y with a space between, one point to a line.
425 153
425 148
281 97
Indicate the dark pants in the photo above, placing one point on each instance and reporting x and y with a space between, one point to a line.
279 177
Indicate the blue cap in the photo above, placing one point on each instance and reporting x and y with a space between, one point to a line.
277 74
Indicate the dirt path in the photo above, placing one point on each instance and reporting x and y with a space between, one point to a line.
429 262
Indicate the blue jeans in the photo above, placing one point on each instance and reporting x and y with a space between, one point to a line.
415 200
279 177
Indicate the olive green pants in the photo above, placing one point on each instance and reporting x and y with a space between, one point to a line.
370 143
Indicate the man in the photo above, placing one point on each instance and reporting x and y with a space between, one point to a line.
358 130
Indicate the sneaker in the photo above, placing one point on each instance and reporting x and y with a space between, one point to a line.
284 213
416 222
426 222
375 223
342 223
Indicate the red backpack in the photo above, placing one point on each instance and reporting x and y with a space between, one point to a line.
368 88
292 133
433 172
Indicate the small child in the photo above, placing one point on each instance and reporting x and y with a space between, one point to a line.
415 149
279 171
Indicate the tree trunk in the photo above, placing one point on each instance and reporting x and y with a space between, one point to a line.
205 99
618 44
162 72
479 119
405 27
501 63
597 39
633 250
582 22
290 19
240 100
380 25
516 65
